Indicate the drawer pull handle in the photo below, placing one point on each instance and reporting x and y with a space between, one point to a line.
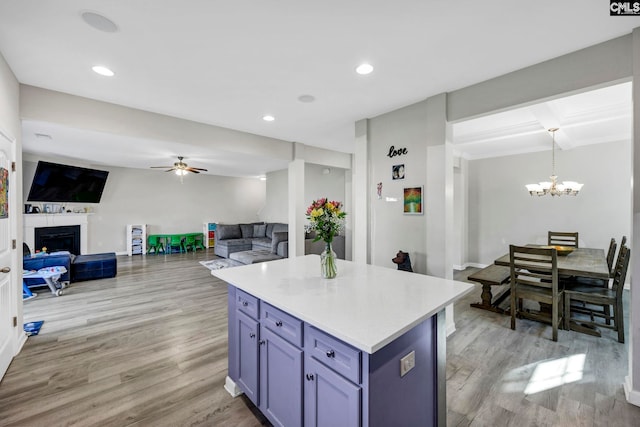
261 342
252 335
331 353
244 303
279 323
309 377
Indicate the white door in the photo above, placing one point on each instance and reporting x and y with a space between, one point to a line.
8 297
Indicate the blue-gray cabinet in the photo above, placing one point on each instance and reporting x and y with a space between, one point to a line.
330 399
299 375
280 380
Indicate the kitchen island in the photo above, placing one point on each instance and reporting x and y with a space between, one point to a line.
364 349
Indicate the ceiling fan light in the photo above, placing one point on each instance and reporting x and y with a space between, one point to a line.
181 172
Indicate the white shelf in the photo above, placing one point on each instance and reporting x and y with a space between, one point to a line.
136 239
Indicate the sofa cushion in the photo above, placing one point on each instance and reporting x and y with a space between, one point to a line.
228 231
259 230
278 236
247 230
276 226
261 243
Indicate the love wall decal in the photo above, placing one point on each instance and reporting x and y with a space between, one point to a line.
396 152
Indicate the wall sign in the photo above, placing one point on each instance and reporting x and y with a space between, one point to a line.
396 152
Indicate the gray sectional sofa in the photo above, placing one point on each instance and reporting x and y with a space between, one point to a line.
265 241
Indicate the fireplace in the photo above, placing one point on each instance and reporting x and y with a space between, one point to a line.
63 238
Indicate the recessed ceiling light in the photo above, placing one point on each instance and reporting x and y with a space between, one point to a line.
99 22
263 178
268 118
364 69
103 71
306 98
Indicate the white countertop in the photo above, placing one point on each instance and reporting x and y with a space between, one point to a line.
366 306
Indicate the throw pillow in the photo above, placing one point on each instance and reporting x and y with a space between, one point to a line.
247 230
259 230
228 231
277 237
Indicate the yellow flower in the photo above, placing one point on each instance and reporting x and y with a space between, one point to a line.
316 213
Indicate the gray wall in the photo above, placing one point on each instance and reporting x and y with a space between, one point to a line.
502 212
390 229
160 200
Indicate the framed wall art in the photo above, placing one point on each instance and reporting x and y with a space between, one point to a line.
413 201
397 172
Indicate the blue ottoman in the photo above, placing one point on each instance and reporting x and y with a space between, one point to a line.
94 266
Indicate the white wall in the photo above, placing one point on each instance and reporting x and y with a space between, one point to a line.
391 229
275 208
502 212
159 199
318 184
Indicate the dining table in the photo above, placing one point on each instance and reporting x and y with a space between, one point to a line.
581 262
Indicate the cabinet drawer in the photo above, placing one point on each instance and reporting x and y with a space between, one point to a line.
281 323
335 354
247 303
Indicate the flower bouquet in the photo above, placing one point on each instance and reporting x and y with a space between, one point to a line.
326 218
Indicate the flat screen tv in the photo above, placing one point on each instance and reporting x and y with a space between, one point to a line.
53 182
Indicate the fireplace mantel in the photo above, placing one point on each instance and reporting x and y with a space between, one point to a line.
33 221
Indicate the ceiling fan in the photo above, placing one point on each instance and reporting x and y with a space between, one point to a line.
180 167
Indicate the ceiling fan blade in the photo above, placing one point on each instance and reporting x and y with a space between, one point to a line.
169 170
197 169
191 170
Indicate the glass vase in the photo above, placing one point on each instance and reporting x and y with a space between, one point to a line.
328 266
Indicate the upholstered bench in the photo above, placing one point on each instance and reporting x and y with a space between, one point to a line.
93 266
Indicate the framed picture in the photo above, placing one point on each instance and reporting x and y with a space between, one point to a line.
413 202
4 193
397 172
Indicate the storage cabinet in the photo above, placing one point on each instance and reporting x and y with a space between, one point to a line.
330 399
209 231
136 239
247 355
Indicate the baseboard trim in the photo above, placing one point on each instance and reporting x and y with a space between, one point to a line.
632 396
468 264
451 328
232 388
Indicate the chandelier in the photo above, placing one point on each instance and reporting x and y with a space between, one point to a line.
552 188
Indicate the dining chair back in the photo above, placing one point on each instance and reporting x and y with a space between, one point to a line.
562 238
534 276
623 242
598 297
611 255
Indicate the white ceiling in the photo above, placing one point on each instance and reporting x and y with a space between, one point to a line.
228 63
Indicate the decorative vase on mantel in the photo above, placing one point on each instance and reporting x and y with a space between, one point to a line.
328 267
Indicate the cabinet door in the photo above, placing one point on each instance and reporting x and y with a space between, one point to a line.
330 399
247 355
280 380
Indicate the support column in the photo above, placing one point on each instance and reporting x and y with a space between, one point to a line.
360 181
296 202
439 196
632 381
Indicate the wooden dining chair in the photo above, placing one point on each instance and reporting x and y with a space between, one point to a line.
561 238
598 297
611 253
534 276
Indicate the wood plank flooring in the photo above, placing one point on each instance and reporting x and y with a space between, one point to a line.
149 348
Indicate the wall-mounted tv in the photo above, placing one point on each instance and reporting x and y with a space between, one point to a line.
53 182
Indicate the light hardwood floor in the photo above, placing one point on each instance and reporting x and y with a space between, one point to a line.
149 348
